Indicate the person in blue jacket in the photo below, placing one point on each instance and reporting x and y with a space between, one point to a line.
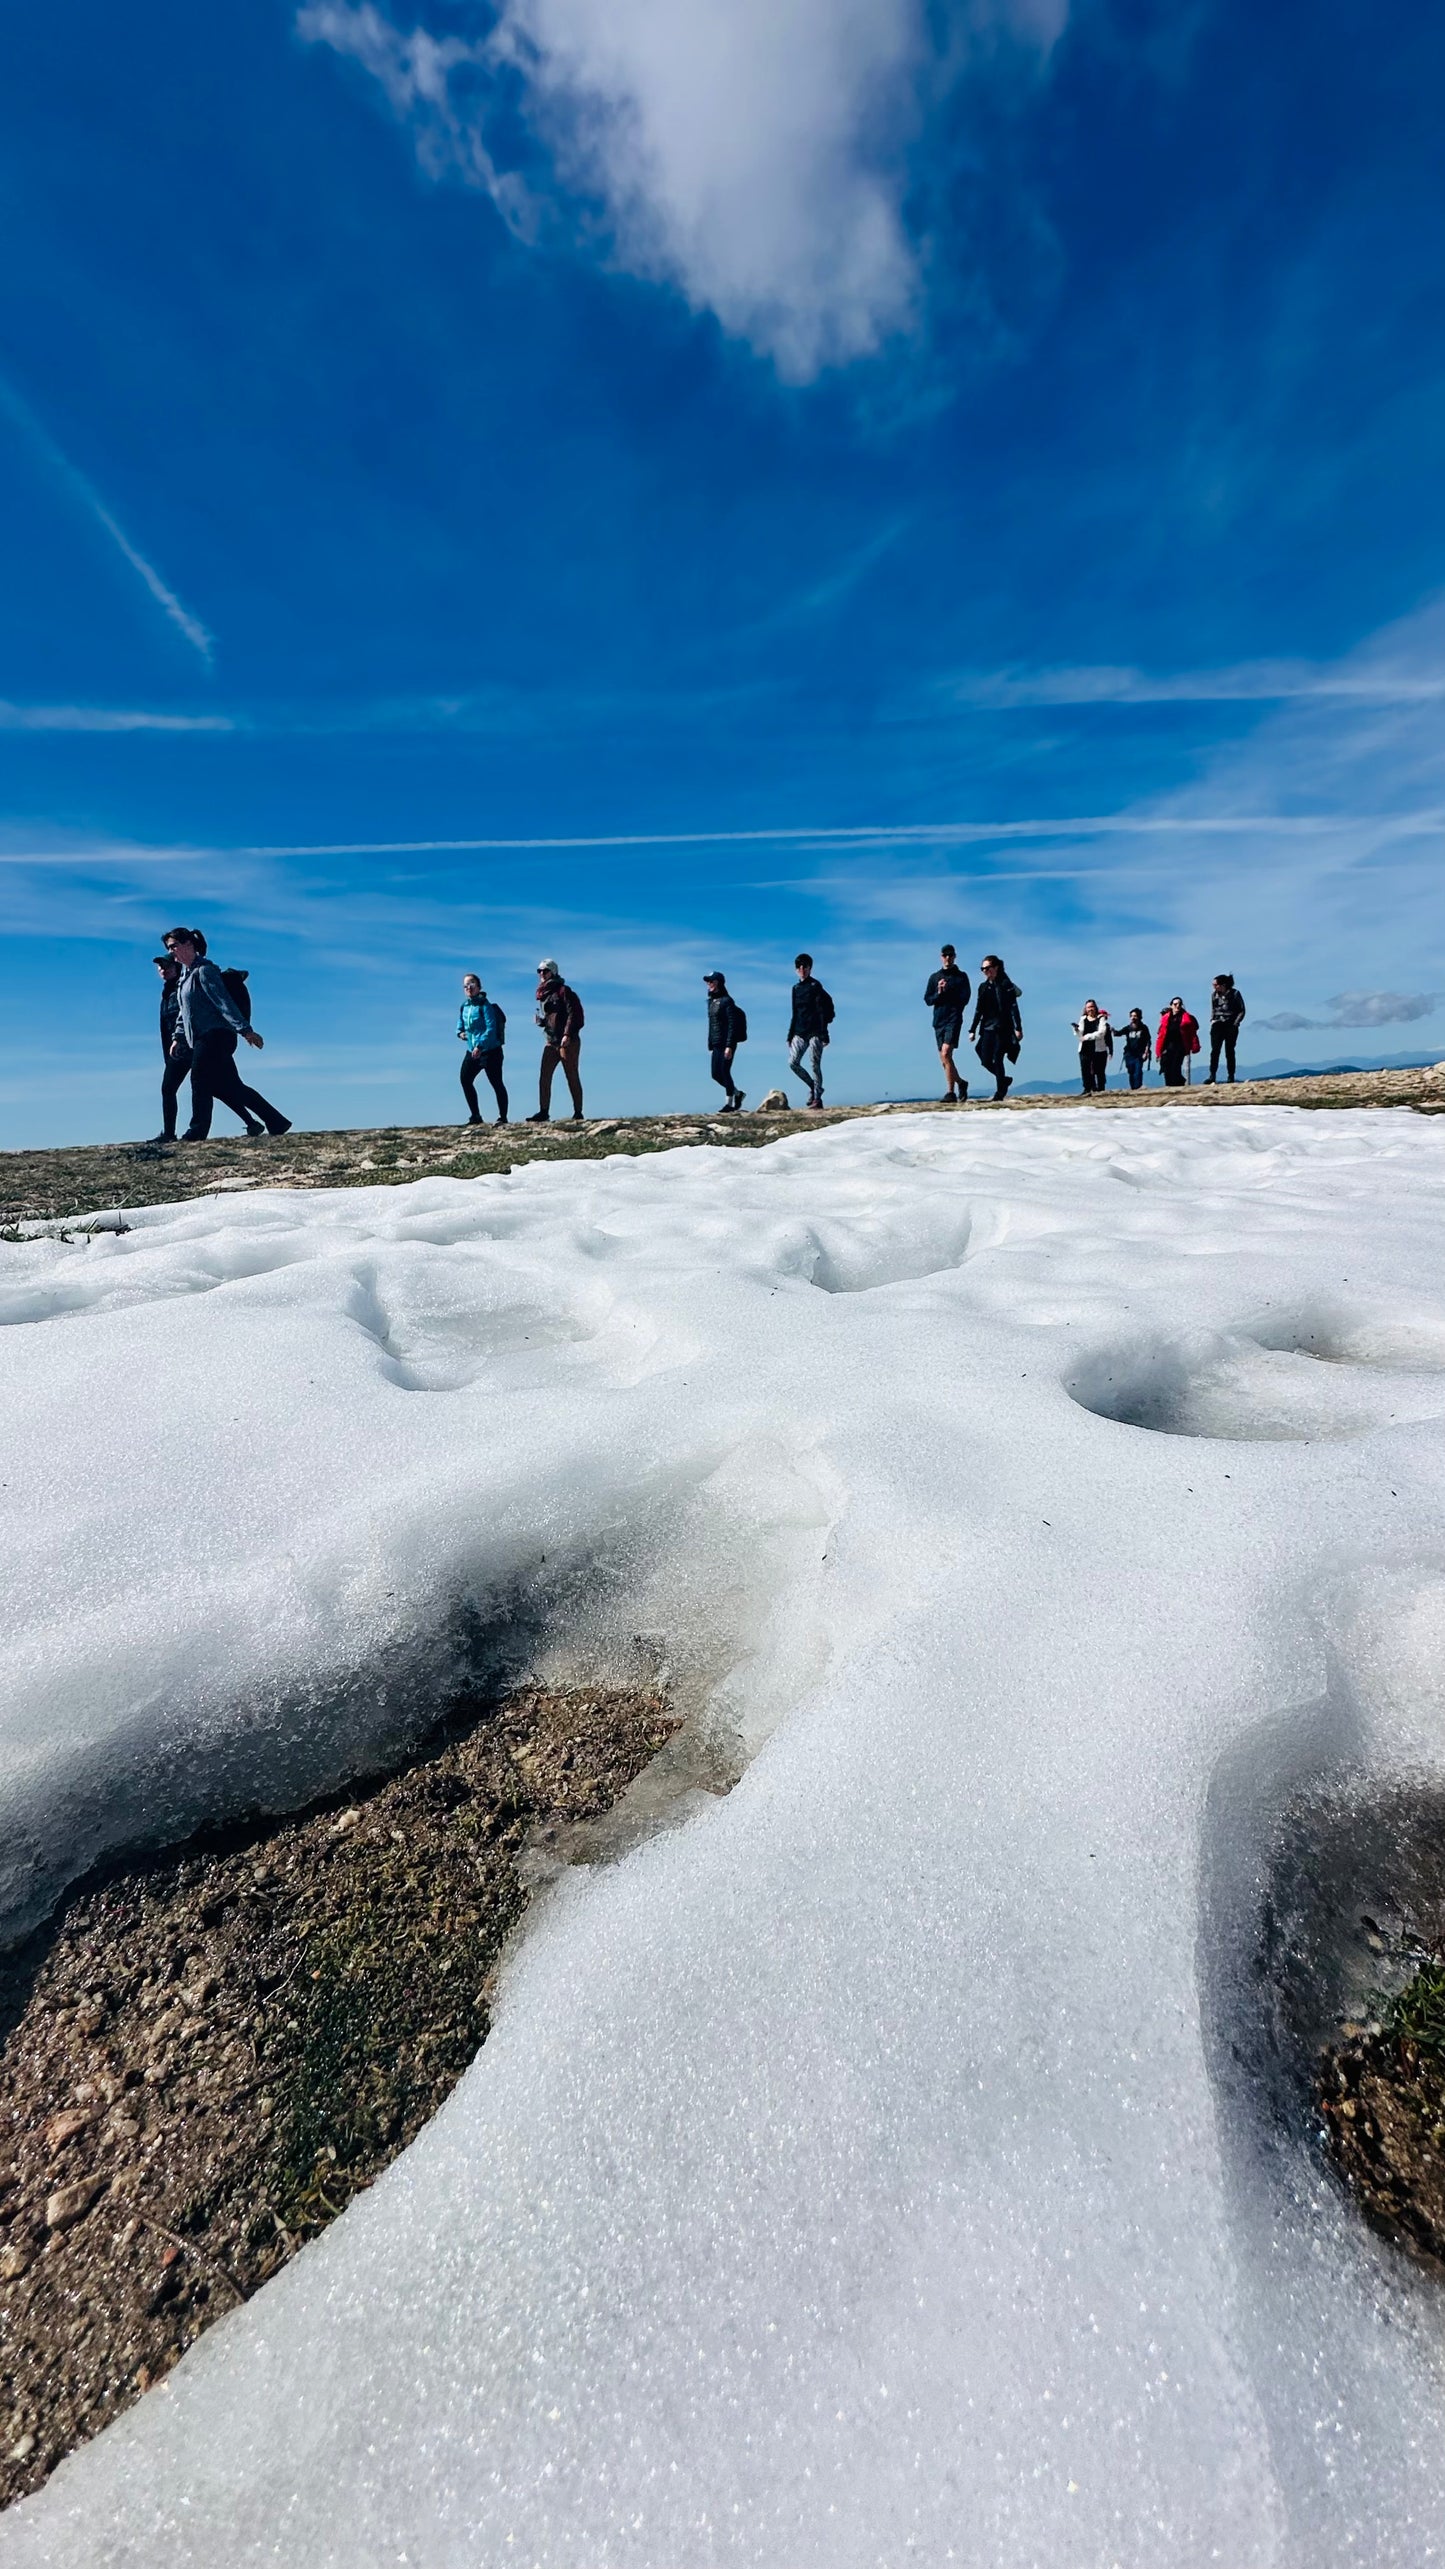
482 1027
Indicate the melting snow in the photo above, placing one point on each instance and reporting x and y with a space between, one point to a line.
870 2170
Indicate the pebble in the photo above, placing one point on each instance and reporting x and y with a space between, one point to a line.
14 2262
63 2127
70 2203
21 2449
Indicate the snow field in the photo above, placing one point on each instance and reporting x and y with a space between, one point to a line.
870 2170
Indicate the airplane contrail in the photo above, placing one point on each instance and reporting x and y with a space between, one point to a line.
88 497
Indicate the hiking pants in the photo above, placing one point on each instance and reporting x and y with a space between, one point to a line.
992 1050
214 1074
1172 1065
1222 1039
566 1053
1134 1065
173 1079
490 1065
1093 1067
811 1079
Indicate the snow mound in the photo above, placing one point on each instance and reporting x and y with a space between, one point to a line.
888 2164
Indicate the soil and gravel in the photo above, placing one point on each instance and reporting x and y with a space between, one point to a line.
75 1183
1382 2100
207 2054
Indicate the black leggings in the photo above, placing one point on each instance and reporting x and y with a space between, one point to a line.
722 1070
490 1064
214 1074
1093 1067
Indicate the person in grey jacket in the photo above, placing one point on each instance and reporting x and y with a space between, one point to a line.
209 1023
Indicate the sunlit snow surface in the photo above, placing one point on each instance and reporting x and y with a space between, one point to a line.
876 2166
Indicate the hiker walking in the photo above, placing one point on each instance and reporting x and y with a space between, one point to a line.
1138 1045
1177 1039
1226 1016
213 1012
813 1014
1096 1042
482 1028
559 1014
947 992
997 1030
727 1027
175 1056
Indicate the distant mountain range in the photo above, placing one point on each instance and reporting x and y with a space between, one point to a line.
1279 1067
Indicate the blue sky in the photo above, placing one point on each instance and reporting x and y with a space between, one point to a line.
665 481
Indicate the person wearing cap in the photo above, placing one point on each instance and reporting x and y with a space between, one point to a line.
559 1014
727 1027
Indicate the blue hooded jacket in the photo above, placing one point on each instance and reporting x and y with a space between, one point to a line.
477 1024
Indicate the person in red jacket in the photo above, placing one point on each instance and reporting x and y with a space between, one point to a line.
1177 1038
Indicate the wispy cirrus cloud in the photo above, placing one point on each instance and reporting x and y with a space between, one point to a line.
752 155
107 718
58 464
1247 682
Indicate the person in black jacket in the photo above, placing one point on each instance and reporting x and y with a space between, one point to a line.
726 1029
947 992
997 1028
176 1053
1226 1016
812 1015
209 1025
175 1058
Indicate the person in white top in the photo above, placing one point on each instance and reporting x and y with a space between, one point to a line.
1096 1042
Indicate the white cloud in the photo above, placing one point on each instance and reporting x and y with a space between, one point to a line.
1358 681
749 152
1362 1008
105 718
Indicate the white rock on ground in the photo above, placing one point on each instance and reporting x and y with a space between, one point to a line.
862 2172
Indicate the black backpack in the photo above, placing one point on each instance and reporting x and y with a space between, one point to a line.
236 984
501 1017
740 1024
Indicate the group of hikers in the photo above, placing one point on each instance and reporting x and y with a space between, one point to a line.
1173 1043
206 1012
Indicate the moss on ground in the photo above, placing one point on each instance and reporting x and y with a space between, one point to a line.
208 2054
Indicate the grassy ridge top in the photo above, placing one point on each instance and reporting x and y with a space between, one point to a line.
84 1179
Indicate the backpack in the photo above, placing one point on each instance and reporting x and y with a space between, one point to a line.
829 1011
501 1017
236 984
740 1024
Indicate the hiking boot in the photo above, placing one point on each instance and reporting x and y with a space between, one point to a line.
541 1117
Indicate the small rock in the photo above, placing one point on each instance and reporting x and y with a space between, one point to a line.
14 2262
21 2449
70 2203
63 2127
89 2020
344 1820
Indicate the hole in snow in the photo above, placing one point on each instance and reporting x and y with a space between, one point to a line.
208 2054
1230 1388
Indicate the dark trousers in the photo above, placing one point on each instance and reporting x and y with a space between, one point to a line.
214 1074
722 1069
1172 1065
992 1051
1093 1067
1134 1065
1222 1039
490 1065
173 1079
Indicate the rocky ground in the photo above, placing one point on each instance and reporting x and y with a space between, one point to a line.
75 1183
207 2055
